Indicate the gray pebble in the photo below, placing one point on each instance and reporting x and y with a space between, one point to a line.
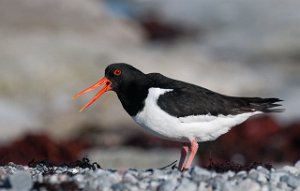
186 184
38 178
293 181
143 185
240 176
249 185
154 185
283 186
21 181
203 186
228 187
217 184
145 174
253 174
200 174
79 177
229 174
275 176
53 179
197 178
124 187
168 185
262 178
291 169
263 170
129 177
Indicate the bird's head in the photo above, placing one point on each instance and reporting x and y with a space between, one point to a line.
117 77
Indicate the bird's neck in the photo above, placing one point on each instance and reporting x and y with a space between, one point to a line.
133 97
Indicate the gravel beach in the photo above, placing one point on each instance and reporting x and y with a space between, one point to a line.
92 177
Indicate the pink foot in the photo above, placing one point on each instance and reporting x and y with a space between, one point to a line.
184 151
193 149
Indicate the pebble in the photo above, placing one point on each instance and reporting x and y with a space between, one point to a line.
168 185
21 181
262 178
19 178
129 177
292 181
53 179
186 184
200 174
253 174
291 169
297 164
249 185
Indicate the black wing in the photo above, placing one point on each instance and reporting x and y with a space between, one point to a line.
188 99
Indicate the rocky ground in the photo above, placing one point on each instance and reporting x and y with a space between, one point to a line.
83 175
259 139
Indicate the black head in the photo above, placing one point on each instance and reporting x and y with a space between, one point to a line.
122 76
128 82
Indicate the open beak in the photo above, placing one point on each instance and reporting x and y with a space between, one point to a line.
106 87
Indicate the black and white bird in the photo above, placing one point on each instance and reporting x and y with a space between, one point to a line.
177 110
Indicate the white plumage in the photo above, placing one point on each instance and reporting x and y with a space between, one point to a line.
201 127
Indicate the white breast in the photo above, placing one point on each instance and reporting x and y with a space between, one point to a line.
202 127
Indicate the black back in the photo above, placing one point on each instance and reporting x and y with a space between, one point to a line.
188 99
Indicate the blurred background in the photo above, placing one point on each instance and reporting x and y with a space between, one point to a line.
50 50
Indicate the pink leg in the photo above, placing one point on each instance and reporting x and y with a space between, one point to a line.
193 149
184 151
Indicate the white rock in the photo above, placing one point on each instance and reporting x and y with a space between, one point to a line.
21 181
53 179
292 169
128 177
262 178
168 185
186 184
200 174
248 185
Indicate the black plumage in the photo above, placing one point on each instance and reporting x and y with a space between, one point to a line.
188 99
185 99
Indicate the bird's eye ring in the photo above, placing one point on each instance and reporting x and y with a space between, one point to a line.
117 72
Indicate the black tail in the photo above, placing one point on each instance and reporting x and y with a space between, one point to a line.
265 105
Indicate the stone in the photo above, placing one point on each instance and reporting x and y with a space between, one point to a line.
262 170
293 181
203 186
53 179
143 185
275 177
186 184
262 178
283 186
200 174
248 185
291 169
168 185
21 181
229 174
154 185
253 174
129 177
218 183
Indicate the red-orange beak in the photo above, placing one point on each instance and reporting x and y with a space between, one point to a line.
107 87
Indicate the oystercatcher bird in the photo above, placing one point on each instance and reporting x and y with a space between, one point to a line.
177 110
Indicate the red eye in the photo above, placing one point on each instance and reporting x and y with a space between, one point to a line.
117 72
